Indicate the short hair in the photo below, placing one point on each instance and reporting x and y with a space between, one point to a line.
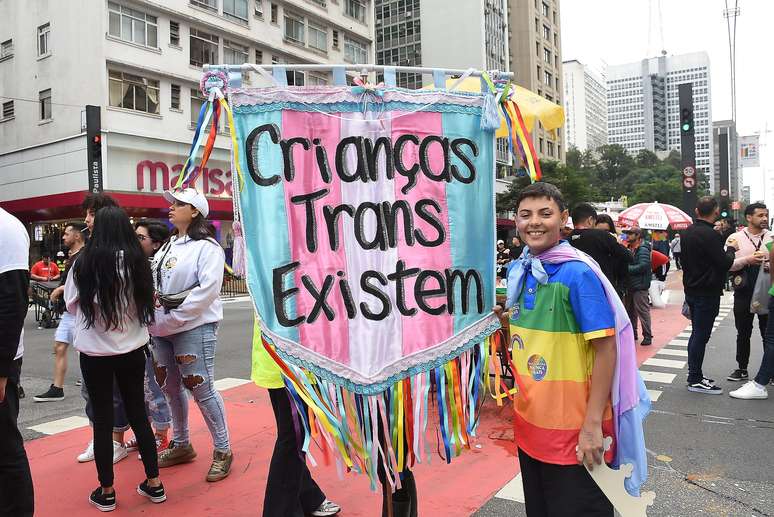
706 205
583 211
542 189
157 231
96 200
752 207
78 226
634 231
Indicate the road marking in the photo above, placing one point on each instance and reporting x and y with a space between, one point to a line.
665 363
513 491
672 351
678 342
236 300
61 425
655 394
684 334
228 383
660 377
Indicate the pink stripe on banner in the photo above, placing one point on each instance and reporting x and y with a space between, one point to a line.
381 350
324 261
423 330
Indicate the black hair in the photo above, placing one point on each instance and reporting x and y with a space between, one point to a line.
583 211
157 231
113 274
706 205
45 254
200 228
542 189
752 207
96 200
78 226
606 219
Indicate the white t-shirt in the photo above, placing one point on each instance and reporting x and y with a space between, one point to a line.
14 253
98 340
180 265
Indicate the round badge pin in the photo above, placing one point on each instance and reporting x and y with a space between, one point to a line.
537 367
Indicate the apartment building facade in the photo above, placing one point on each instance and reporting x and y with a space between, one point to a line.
585 106
141 62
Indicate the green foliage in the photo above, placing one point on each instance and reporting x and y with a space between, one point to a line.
609 173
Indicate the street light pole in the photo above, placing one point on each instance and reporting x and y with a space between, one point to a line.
729 13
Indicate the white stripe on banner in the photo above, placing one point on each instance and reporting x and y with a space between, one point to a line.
362 358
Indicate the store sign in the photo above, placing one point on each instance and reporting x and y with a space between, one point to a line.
157 176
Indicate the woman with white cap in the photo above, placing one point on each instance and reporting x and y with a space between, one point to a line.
188 272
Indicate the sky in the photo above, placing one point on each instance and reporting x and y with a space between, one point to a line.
618 31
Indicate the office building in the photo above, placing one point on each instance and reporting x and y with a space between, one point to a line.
585 106
724 133
141 62
643 106
536 60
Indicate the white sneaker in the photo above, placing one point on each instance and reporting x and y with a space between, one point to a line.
88 454
750 391
119 452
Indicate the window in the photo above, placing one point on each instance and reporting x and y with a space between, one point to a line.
545 9
6 49
235 9
550 146
174 96
547 56
335 38
556 82
204 48
316 80
44 34
554 13
212 5
44 99
540 145
321 3
318 37
294 29
537 49
133 92
197 100
537 26
132 25
259 8
7 110
556 39
174 33
258 56
547 32
234 53
355 9
354 51
274 13
547 78
295 78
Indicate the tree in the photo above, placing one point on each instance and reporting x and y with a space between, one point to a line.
613 165
573 183
646 158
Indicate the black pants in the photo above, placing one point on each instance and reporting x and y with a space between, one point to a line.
743 319
129 371
16 493
704 310
290 489
561 490
677 260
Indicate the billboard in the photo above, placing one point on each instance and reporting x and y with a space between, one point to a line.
749 151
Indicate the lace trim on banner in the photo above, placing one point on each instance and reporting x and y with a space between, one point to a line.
354 382
332 95
354 107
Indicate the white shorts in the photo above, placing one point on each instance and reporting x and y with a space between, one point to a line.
64 332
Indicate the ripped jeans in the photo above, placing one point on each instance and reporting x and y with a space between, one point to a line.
185 362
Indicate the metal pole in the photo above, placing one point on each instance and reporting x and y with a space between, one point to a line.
357 68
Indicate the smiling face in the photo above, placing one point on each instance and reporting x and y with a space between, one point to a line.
539 221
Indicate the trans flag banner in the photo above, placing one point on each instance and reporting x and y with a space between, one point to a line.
368 218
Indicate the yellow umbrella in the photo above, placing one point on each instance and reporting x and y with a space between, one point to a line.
532 105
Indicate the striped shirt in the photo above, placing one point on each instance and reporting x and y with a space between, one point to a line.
551 326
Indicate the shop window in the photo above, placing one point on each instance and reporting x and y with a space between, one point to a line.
44 99
174 33
204 48
44 34
133 92
132 25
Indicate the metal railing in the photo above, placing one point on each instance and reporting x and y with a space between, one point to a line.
233 286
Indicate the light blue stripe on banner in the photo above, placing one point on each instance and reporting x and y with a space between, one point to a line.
471 213
439 79
339 76
268 245
389 76
280 74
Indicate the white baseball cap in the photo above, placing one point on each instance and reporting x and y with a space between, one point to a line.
191 196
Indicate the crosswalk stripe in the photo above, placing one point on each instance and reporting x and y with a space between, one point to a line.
660 377
61 425
672 351
229 382
655 394
678 342
684 334
513 491
665 363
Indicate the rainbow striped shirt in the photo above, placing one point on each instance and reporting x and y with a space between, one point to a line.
551 326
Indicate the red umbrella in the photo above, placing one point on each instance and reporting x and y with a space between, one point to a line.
655 216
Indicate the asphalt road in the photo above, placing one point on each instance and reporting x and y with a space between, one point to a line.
232 360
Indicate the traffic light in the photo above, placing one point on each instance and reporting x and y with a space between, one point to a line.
725 209
96 147
686 120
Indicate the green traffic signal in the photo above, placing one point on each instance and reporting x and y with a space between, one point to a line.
724 214
686 126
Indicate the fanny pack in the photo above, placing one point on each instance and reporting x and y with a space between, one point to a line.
174 300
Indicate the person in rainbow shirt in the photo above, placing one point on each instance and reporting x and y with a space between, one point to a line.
570 336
